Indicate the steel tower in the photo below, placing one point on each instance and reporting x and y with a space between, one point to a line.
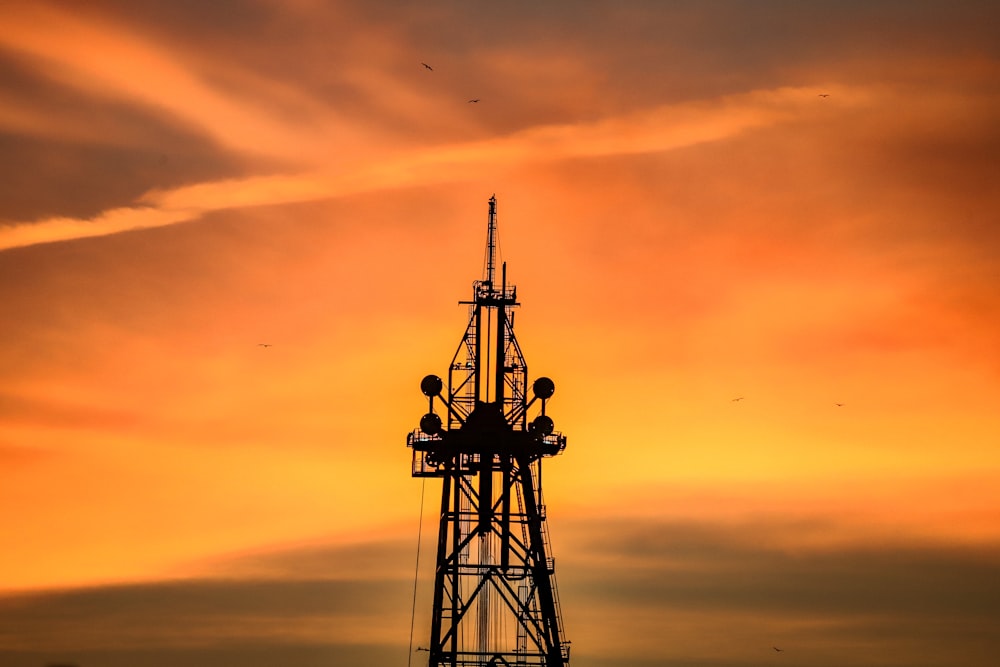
495 599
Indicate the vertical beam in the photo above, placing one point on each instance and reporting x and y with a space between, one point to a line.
478 370
505 466
452 564
440 571
540 569
501 346
485 493
491 243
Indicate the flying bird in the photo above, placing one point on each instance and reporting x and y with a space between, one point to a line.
779 650
427 66
824 94
473 101
839 405
738 398
263 344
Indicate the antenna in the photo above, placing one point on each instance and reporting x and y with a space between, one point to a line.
495 600
491 243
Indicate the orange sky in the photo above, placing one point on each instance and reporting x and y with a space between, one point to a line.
688 221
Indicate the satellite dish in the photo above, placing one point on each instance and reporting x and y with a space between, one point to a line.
542 424
544 388
430 424
431 385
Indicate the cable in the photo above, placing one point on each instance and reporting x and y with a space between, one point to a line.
416 572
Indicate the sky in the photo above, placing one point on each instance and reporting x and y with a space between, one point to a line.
756 245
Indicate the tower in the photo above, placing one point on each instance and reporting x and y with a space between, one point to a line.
495 600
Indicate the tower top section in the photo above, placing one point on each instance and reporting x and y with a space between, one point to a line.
488 393
491 242
487 292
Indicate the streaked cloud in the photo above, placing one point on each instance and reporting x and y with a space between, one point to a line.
688 221
97 56
619 579
651 131
894 603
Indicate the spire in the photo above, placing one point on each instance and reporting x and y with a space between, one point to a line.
491 246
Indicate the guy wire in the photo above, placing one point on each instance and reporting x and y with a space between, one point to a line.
416 572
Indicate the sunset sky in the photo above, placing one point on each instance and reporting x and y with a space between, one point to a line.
794 204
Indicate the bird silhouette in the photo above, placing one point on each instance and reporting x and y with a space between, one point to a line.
839 405
263 344
779 650
473 101
738 398
427 66
824 94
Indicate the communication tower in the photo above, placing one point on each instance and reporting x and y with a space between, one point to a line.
495 600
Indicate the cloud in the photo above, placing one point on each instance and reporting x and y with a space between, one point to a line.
905 601
618 581
690 218
78 152
280 606
53 412
248 653
654 130
108 222
98 56
366 560
739 567
51 180
186 613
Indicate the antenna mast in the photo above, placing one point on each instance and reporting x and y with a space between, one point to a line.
495 598
491 242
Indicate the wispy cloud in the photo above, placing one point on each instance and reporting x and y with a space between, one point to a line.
95 56
618 579
899 600
660 129
689 220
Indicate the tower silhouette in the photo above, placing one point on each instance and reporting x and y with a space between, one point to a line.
495 600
